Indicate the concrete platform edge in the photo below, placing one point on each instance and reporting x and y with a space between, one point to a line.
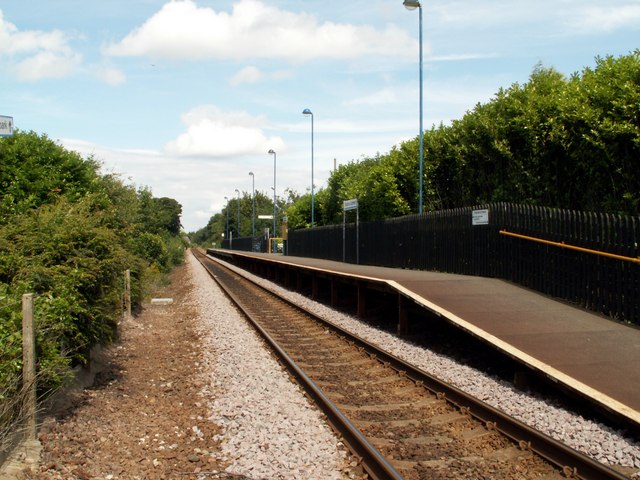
548 370
597 396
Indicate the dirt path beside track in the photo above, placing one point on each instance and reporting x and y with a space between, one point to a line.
144 417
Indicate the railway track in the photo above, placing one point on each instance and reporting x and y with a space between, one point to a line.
402 422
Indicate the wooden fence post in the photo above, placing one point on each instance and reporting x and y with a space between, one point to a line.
127 294
29 366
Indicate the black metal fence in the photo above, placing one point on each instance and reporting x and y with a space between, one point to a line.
247 244
588 259
255 244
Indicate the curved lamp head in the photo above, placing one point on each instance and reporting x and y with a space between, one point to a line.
226 198
251 173
272 151
306 111
411 4
237 191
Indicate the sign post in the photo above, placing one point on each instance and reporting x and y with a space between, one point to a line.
346 206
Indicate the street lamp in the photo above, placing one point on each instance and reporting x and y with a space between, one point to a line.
253 204
238 192
412 5
227 209
308 112
272 152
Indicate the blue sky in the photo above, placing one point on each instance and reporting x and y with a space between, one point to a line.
187 97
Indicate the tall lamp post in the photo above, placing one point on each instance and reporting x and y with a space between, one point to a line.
227 209
238 228
253 204
308 112
412 5
272 152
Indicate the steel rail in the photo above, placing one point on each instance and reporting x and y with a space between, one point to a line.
573 463
374 463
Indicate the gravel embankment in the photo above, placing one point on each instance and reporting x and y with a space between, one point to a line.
270 430
596 440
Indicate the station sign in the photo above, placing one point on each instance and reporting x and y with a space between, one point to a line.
346 206
350 204
6 126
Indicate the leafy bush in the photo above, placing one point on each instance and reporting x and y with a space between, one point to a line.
151 247
36 171
64 255
67 234
570 143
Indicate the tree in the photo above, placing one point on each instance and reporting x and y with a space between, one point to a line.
67 234
561 142
299 212
566 143
64 254
37 171
602 124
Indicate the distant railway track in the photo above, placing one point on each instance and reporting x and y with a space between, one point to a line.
402 422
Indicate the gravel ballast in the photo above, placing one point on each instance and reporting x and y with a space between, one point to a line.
594 439
270 430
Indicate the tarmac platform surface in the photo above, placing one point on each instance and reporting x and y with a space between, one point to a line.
589 353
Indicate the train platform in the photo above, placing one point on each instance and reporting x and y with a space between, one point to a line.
586 352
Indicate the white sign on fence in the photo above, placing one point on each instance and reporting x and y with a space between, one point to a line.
480 217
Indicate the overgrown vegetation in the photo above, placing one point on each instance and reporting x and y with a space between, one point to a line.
216 229
67 234
569 143
559 142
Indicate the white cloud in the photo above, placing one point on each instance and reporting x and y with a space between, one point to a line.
214 133
606 19
460 57
253 74
199 186
247 75
382 97
46 65
12 41
281 74
583 16
110 76
463 14
182 30
34 55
